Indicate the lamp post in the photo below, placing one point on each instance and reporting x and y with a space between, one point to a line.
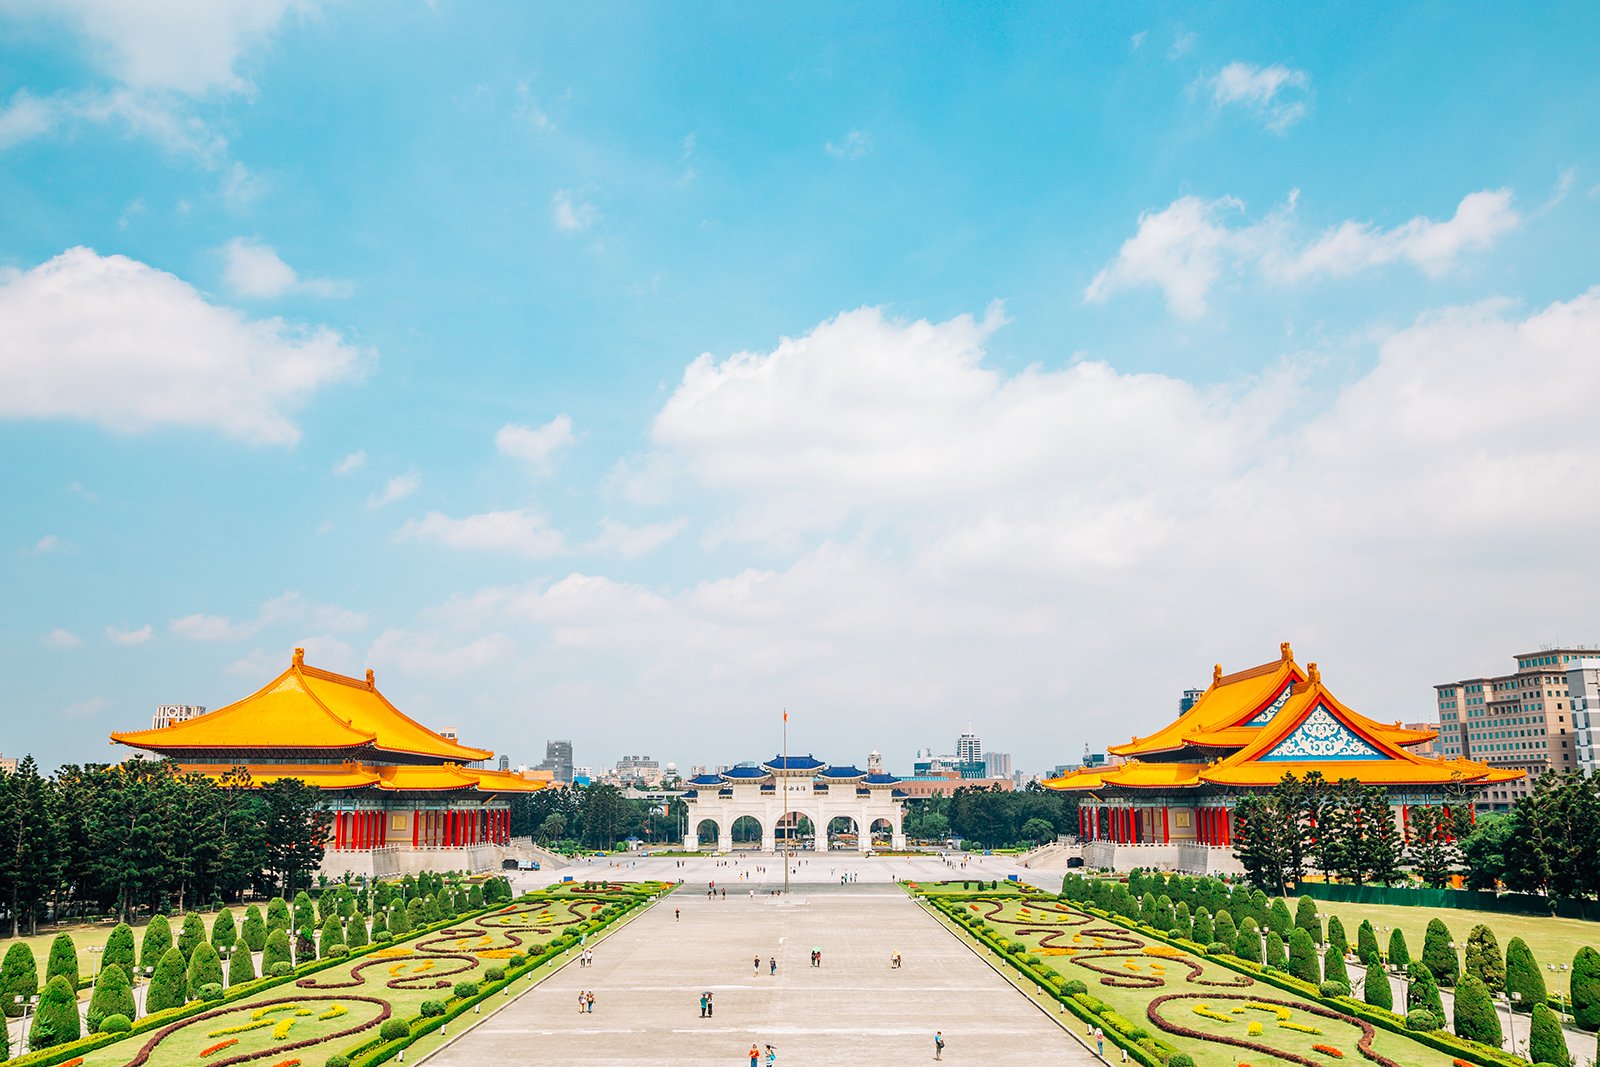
27 1003
1561 998
99 950
1511 1019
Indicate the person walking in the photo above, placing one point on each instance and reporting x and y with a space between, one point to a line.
677 913
590 1002
938 1044
582 1001
1100 1042
702 1005
772 965
711 1006
757 968
772 1056
755 1055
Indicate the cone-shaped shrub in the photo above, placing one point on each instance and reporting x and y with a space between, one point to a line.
1523 976
1203 930
1277 955
332 935
1438 956
400 923
56 1020
241 965
1224 929
205 968
1366 940
19 976
380 924
1546 1042
355 931
1303 957
475 898
1247 944
1483 958
1423 992
1333 968
305 949
305 913
1305 917
1278 918
63 961
192 934
417 913
1336 936
1399 954
1475 1017
223 931
113 995
157 939
119 949
1375 989
1586 988
276 950
277 915
347 903
253 930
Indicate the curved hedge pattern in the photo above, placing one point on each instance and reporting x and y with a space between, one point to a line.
1364 1045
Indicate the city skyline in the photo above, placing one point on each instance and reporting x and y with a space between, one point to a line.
620 377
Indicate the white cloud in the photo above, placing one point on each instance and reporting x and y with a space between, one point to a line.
1187 246
253 269
85 709
45 545
289 609
1137 40
155 118
631 542
110 340
322 650
1277 95
1182 44
852 145
536 445
397 488
522 531
416 653
59 638
569 215
350 463
129 637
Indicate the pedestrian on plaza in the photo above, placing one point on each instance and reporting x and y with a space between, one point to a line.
582 1001
590 1002
772 965
757 965
711 1006
702 1005
772 1056
677 913
755 1055
938 1044
1100 1042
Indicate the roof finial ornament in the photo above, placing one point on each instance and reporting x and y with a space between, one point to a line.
1316 675
1286 652
371 679
1216 674
299 657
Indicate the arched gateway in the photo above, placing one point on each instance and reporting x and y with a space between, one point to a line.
795 786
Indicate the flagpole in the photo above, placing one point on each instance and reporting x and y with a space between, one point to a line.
785 781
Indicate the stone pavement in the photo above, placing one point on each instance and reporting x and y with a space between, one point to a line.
648 976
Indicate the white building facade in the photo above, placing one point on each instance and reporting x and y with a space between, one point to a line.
782 791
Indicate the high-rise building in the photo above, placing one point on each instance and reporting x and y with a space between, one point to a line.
997 764
1583 686
8 764
558 760
875 762
1522 721
969 748
1190 698
639 768
172 714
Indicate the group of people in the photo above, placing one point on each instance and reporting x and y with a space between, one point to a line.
586 958
772 965
707 1008
585 1002
755 1055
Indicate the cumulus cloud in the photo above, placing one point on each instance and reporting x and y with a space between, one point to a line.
322 650
289 609
418 653
153 118
852 145
570 215
1186 247
45 545
253 269
112 341
62 639
350 463
522 531
396 488
536 445
1277 95
632 542
129 637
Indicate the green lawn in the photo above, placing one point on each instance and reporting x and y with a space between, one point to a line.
86 936
1552 940
1128 972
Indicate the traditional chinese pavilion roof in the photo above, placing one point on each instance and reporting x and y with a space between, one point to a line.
794 763
306 709
841 774
706 779
397 778
1253 727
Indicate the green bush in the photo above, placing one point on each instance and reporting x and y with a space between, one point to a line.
400 922
517 960
355 931
394 1030
1226 932
1336 936
1305 917
1277 956
337 952
280 970
63 960
119 949
1483 958
1247 945
191 934
19 976
253 930
1423 992
1329 990
241 965
1333 968
1546 1041
1203 930
332 934
113 995
1422 1019
1303 956
115 1024
157 939
1072 987
1475 1016
277 915
336 1060
276 951
495 974
1438 956
169 985
1217 948
305 913
56 1020
1366 940
431 1009
205 968
1278 918
1180 1059
1375 989
223 931
209 991
1586 988
1399 954
1523 976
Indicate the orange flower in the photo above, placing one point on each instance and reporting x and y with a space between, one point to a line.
218 1047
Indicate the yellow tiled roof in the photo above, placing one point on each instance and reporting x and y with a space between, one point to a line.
1231 700
1137 774
1077 780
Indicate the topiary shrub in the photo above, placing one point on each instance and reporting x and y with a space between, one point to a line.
337 952
280 970
209 991
1366 940
113 995
276 952
355 931
1247 945
394 1030
517 960
253 929
1217 948
1303 957
1180 1059
495 974
223 931
1333 968
1074 986
1305 917
1375 989
191 935
241 965
336 1060
1438 956
1475 1017
1277 956
1226 932
205 968
277 915
1523 976
332 934
1334 989
431 1009
169 985
115 1024
465 990
56 1020
1546 1041
63 960
1399 953
1423 992
1422 1019
1336 936
1585 992
1203 930
1483 958
19 976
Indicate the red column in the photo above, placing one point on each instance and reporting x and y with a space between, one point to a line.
1227 829
1166 827
354 839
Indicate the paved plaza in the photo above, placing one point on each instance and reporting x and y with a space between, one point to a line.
648 976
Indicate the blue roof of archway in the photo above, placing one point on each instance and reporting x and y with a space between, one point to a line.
794 763
744 772
881 779
705 779
843 772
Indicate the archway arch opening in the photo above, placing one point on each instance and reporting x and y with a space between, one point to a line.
882 831
843 832
797 830
708 833
745 832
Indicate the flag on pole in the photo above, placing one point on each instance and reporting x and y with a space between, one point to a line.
785 714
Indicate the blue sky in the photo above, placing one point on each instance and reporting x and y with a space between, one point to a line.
626 373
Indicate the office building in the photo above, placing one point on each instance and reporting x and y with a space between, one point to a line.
1583 687
172 714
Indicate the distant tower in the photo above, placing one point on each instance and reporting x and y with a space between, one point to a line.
173 714
505 763
969 747
875 762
